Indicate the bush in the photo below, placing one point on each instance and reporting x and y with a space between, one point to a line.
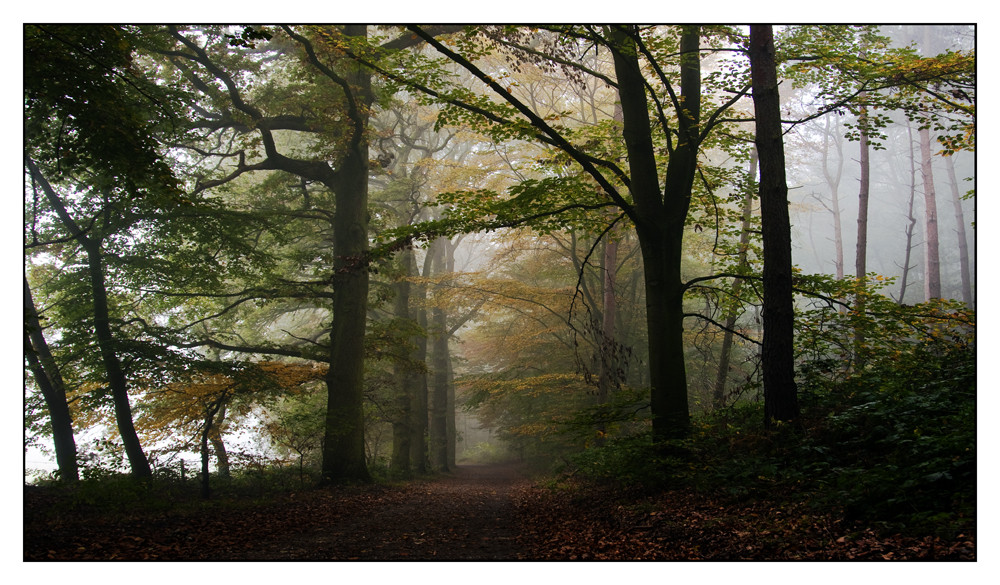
633 461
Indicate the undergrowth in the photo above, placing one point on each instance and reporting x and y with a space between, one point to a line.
893 446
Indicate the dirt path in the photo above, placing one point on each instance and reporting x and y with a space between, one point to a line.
474 513
467 515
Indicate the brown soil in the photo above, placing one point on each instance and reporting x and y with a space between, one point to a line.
469 514
475 513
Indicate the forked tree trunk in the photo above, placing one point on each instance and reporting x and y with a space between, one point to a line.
659 218
218 445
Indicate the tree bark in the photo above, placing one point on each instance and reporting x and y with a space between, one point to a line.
608 358
719 395
932 260
963 242
218 445
102 330
861 251
50 381
439 368
911 220
659 221
419 404
344 442
402 372
833 182
780 394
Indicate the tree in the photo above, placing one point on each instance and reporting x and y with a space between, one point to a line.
212 62
102 328
780 394
91 127
963 243
659 214
742 265
50 381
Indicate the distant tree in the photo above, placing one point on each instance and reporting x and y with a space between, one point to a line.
654 194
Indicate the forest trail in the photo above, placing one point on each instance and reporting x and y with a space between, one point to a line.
474 513
469 514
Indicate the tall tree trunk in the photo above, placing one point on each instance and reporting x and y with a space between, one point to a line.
344 442
452 446
911 219
608 358
659 221
439 368
451 436
102 330
402 373
833 182
116 376
780 395
861 251
932 260
50 381
420 392
719 395
963 242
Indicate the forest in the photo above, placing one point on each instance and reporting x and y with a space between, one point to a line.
498 292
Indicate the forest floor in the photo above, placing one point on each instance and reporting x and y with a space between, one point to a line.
474 513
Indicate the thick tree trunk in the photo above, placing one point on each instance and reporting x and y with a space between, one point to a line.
719 395
206 432
932 272
780 395
344 442
659 220
661 252
963 242
49 379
